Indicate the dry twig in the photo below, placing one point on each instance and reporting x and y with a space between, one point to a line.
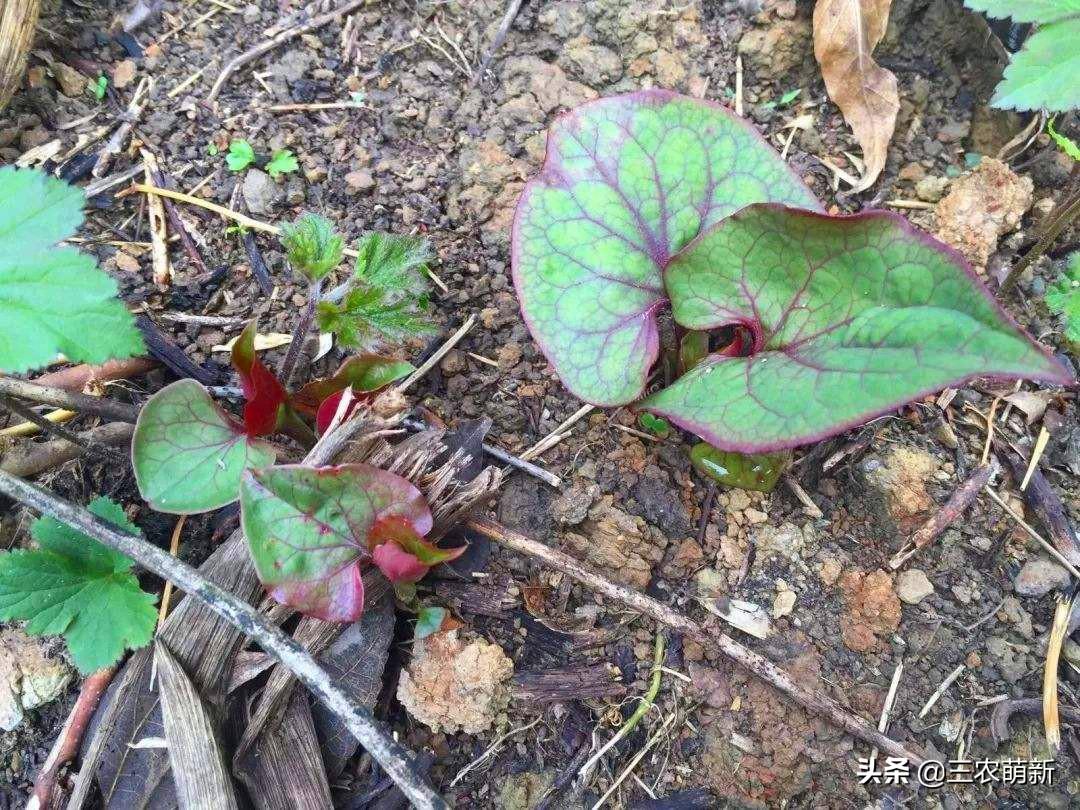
760 666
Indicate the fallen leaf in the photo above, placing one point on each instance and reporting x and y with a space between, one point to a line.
1032 403
263 343
845 34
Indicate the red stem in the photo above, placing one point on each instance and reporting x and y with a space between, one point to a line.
66 746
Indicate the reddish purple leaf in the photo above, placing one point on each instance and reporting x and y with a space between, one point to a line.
363 373
325 415
309 530
402 554
265 395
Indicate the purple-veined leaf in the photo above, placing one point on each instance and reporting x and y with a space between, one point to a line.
851 317
308 531
188 454
627 182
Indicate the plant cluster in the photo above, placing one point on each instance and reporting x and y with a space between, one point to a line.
792 324
241 155
1063 298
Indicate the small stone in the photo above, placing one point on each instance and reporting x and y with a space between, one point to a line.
360 180
783 604
72 83
912 172
123 73
1039 577
830 571
913 586
572 507
453 363
261 193
931 189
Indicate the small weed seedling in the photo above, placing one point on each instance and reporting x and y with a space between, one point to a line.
239 156
74 586
282 162
1042 75
98 87
53 299
653 200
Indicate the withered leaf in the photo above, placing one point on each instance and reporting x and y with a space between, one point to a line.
845 35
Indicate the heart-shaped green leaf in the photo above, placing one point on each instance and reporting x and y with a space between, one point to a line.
627 182
308 531
188 454
851 318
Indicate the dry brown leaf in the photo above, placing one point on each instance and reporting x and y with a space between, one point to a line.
845 34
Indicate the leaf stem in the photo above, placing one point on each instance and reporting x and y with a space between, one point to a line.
643 707
300 332
392 756
1068 212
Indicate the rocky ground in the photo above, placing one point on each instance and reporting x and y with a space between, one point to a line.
430 153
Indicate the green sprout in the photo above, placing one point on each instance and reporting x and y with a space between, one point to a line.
240 155
311 245
282 162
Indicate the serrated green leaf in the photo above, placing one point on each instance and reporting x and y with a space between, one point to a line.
75 586
240 155
308 528
627 182
851 316
1043 74
1026 11
387 302
283 161
312 245
1063 298
53 299
187 453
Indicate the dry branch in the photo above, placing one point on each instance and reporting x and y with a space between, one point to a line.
766 670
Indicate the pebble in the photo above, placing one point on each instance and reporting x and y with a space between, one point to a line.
260 192
913 586
361 180
1039 577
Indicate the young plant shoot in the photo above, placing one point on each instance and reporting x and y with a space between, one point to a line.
313 249
311 531
652 200
386 299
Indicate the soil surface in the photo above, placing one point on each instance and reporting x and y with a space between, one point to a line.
427 151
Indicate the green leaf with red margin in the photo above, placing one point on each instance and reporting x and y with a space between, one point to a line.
188 454
851 318
264 410
308 531
627 182
364 373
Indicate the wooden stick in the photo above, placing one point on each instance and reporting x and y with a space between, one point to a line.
500 37
67 744
58 397
1033 534
435 358
760 666
36 457
76 378
391 755
957 504
269 45
945 684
